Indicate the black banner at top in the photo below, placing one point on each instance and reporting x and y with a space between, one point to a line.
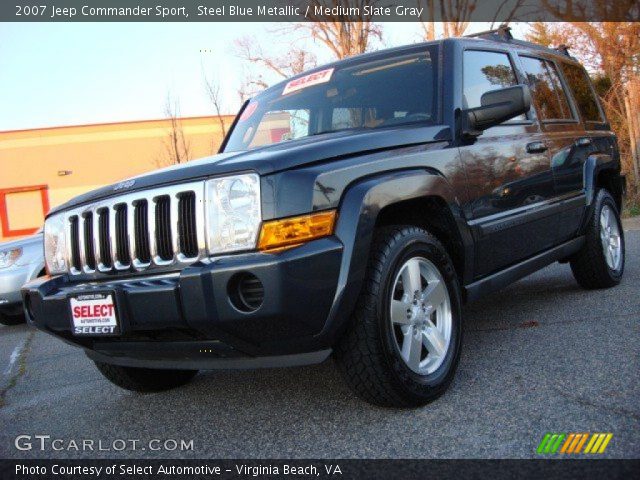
496 11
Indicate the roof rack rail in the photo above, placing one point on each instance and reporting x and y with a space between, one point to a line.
564 49
503 31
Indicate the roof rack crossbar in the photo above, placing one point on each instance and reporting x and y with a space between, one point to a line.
503 31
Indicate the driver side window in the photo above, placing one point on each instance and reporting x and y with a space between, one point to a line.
483 72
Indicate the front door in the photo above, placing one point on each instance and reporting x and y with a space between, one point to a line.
509 173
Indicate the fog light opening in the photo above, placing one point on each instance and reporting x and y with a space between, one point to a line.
28 307
246 292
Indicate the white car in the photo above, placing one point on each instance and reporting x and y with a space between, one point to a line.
20 261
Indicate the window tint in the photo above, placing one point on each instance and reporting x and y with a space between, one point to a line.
582 92
350 95
483 72
344 118
281 125
549 98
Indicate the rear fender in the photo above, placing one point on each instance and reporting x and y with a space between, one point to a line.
594 166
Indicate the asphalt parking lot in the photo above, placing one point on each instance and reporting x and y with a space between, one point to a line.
540 356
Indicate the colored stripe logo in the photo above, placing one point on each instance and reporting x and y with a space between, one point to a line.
573 443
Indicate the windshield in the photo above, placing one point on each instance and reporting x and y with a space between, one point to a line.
357 95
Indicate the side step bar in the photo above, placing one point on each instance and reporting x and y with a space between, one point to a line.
501 279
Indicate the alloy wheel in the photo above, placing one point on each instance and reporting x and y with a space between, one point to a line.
421 317
610 238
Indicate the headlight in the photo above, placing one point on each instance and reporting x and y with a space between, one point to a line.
9 257
233 213
55 245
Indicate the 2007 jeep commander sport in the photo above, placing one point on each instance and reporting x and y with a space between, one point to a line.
351 210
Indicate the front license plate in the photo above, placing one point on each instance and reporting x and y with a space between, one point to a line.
94 314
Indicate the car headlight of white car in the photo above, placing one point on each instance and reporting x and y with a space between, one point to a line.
233 213
55 245
9 257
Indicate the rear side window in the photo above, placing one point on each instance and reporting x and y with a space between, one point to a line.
548 95
582 92
484 72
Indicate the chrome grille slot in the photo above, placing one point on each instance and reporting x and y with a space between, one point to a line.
141 232
187 232
163 228
123 256
75 243
154 229
105 245
89 251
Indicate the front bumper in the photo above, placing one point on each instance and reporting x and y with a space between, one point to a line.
11 281
186 319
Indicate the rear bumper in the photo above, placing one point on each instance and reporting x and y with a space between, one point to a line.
187 320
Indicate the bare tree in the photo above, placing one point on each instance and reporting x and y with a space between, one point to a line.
177 147
456 15
295 61
429 26
612 48
515 7
212 88
250 86
343 35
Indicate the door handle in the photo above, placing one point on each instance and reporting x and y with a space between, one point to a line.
583 142
536 147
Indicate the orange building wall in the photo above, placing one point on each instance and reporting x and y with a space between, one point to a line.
33 163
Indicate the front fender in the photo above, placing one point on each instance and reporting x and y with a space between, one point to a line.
358 214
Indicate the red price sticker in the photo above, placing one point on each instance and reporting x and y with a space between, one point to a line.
316 78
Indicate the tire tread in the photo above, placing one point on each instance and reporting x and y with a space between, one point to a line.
588 265
360 354
144 380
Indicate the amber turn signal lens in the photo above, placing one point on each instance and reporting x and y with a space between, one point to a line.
289 232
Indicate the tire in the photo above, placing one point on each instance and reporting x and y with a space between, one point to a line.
10 319
145 380
370 355
593 266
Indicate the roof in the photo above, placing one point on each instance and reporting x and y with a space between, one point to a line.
500 36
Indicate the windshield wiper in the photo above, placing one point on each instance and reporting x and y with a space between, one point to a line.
353 129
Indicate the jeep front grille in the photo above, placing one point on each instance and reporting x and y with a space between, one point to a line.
138 231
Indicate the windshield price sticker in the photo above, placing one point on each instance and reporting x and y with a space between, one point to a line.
307 81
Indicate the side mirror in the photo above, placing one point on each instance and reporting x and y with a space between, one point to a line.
496 106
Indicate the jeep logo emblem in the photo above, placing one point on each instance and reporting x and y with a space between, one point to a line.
124 184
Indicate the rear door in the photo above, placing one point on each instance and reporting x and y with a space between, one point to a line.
569 177
568 141
509 174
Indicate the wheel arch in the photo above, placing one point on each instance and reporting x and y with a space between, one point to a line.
602 171
432 213
378 200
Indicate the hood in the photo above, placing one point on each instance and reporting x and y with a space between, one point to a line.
274 158
23 242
